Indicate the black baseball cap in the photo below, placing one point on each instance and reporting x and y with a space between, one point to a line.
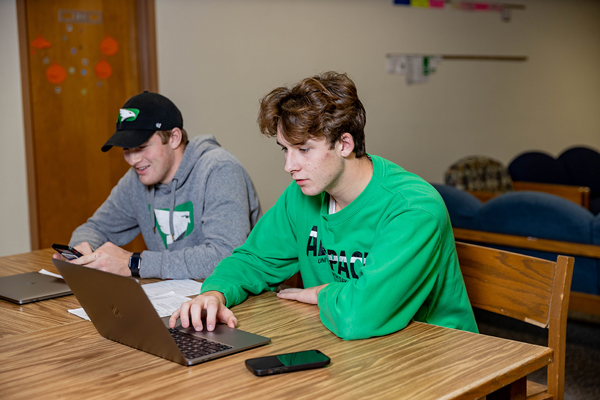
141 116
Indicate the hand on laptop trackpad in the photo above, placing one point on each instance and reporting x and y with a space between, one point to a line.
191 329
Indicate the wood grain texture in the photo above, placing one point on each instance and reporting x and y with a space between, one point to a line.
580 302
67 122
528 242
585 303
577 194
422 361
507 283
47 353
27 262
526 288
17 319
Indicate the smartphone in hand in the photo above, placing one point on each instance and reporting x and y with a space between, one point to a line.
68 252
289 362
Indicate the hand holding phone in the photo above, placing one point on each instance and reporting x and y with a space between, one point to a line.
68 252
289 362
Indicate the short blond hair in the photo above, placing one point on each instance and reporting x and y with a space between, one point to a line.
166 135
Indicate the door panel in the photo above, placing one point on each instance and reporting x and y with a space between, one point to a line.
83 65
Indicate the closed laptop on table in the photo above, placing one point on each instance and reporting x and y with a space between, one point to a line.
32 286
121 311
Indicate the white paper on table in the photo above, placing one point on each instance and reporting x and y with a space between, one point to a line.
43 271
166 303
80 312
183 287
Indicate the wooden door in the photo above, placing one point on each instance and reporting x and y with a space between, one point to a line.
81 60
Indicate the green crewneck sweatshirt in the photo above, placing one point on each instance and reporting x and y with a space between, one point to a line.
388 257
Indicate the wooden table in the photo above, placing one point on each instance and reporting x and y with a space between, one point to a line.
57 355
17 319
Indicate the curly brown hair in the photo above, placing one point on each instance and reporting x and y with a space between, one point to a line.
323 105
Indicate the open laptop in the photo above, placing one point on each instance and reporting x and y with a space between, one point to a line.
32 286
121 311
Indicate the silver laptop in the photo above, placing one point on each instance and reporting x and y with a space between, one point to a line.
121 311
32 286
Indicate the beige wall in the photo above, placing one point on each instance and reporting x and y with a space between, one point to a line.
14 212
217 58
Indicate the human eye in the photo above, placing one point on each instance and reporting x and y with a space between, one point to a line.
303 149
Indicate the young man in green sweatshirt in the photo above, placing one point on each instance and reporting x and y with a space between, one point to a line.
373 242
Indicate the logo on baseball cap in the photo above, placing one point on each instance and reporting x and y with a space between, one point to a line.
141 116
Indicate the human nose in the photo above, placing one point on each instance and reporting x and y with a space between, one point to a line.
290 162
132 157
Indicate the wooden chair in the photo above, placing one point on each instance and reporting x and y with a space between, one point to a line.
528 289
579 302
577 194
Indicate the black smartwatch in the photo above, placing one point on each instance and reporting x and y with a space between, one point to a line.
135 263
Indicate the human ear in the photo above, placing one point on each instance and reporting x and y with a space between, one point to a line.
175 139
347 142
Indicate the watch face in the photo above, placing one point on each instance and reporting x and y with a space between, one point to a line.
134 264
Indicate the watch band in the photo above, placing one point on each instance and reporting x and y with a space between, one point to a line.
135 263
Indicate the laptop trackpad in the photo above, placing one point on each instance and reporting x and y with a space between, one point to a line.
220 329
222 334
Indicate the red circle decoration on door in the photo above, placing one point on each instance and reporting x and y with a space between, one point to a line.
109 45
56 73
103 69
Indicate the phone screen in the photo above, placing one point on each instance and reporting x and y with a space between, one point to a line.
67 252
287 362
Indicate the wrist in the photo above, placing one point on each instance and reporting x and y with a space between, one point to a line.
135 264
319 288
216 294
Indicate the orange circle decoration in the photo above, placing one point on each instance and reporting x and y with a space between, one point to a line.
56 73
103 69
109 46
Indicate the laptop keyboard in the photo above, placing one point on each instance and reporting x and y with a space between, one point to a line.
194 347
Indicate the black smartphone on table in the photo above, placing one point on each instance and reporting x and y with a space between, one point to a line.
68 252
289 362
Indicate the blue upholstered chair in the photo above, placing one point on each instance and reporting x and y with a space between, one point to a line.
536 166
577 166
582 166
531 214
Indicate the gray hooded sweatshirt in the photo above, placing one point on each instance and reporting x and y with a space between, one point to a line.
189 225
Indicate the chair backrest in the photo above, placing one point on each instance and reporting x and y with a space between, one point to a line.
525 288
582 166
537 166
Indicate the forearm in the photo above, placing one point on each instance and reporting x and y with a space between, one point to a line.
88 233
244 273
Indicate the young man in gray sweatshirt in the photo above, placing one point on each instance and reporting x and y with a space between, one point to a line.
192 200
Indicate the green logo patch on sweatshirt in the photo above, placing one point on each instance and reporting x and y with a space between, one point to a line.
183 222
